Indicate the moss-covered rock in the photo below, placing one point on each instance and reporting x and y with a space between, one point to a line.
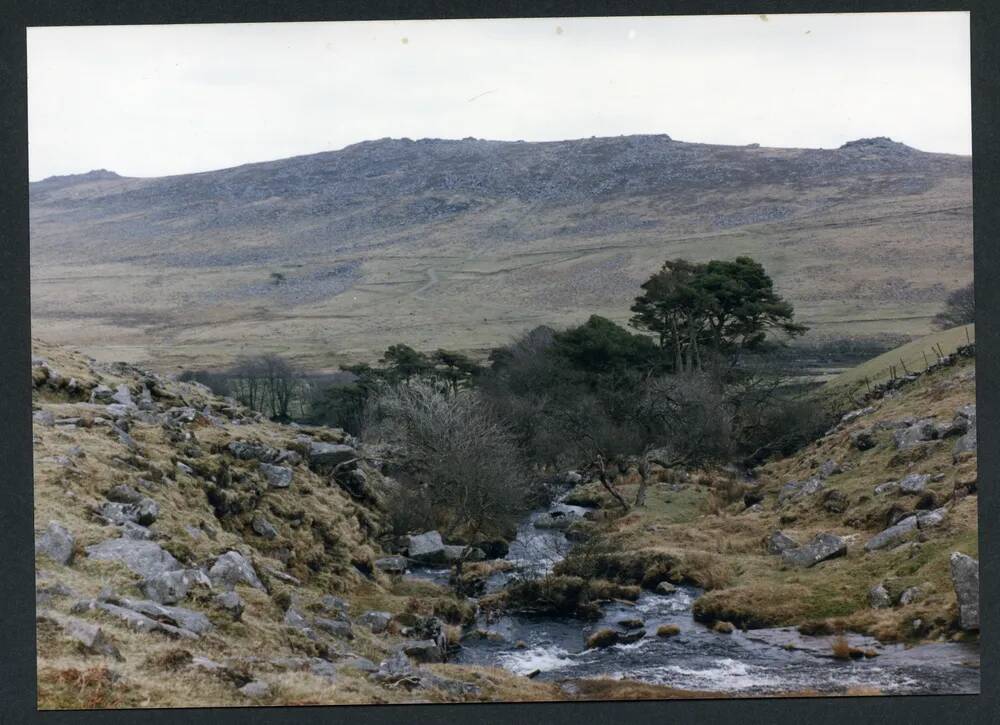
603 638
668 630
564 595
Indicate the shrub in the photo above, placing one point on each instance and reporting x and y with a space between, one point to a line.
461 459
725 491
840 647
959 308
688 418
783 426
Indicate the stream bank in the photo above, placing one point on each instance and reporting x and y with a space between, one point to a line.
696 658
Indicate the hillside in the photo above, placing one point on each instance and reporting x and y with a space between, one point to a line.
462 244
854 533
191 554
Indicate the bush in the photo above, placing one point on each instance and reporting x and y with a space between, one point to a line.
840 647
464 463
959 308
789 424
726 490
689 418
340 406
409 510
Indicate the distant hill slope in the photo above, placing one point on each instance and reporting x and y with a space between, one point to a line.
461 244
911 357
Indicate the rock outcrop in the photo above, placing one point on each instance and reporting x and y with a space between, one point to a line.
965 575
822 547
56 543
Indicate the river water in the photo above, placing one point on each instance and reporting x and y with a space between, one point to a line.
759 661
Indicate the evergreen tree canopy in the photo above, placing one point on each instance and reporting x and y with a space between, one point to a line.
601 346
716 310
403 362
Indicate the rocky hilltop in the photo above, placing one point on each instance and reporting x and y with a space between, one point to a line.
394 184
461 243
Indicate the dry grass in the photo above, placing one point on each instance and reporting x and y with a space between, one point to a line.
452 635
841 648
608 689
91 688
706 570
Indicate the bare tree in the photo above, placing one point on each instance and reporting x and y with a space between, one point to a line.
462 459
267 383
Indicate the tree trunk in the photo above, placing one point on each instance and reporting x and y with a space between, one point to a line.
607 482
640 495
676 339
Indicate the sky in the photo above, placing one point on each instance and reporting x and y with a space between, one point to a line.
160 99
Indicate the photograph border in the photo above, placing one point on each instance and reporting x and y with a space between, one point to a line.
17 604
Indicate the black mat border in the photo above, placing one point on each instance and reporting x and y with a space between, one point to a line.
17 632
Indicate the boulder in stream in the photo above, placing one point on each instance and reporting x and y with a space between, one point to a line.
559 520
426 548
668 630
426 650
603 638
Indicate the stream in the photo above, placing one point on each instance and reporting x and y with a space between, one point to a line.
759 661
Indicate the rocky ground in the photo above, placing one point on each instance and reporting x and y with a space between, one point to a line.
190 553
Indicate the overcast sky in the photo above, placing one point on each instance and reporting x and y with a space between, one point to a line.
155 100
